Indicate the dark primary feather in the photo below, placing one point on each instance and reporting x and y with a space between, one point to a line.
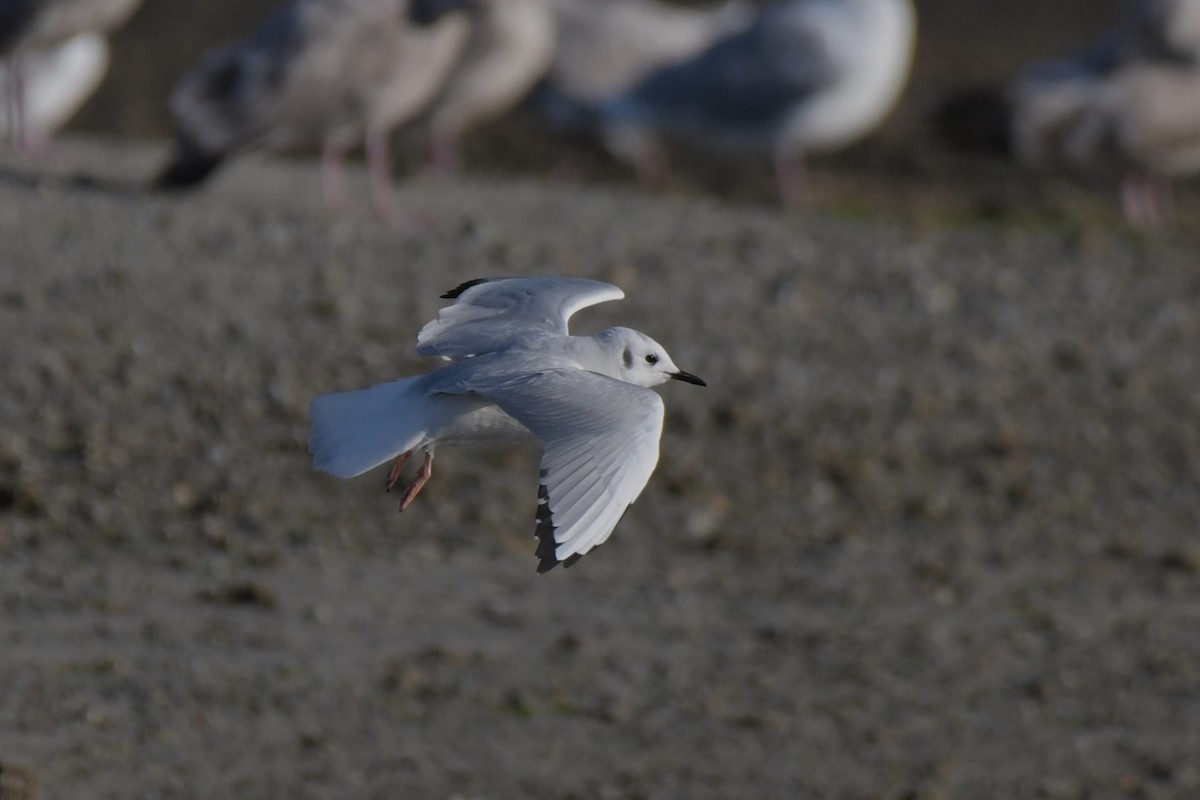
457 291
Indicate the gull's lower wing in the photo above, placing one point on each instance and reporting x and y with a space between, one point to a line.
600 438
489 313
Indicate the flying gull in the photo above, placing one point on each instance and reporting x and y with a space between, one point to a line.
516 373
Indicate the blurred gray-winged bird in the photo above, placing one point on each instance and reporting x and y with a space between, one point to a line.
514 373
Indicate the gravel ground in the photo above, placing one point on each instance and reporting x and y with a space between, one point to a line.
930 533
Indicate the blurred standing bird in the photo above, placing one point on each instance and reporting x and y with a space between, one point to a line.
805 76
56 81
327 73
1130 100
604 46
509 50
33 26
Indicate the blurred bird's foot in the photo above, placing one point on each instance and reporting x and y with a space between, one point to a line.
792 176
379 175
1148 202
419 482
569 169
35 146
333 185
444 156
651 166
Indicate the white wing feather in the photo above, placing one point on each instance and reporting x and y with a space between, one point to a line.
600 438
488 315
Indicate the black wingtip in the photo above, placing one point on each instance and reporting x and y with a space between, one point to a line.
545 534
544 531
457 291
189 166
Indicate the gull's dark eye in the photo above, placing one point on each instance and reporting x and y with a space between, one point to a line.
652 359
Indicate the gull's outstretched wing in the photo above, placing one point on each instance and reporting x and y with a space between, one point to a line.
488 314
600 438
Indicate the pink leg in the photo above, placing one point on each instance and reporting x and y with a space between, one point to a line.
444 156
333 187
419 482
792 177
1162 200
16 102
1147 201
31 144
1131 201
394 475
379 172
650 164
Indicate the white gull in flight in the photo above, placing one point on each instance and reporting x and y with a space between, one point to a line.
515 372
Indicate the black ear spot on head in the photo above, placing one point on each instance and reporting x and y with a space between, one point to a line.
628 357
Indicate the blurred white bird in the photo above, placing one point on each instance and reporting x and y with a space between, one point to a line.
1130 101
806 76
604 46
510 48
43 69
56 82
516 373
327 73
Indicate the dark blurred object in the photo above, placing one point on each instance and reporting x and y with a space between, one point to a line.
977 119
15 18
427 12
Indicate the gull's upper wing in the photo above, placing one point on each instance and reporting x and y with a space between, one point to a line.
600 438
487 314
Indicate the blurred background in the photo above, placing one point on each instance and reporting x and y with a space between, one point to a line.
930 533
960 43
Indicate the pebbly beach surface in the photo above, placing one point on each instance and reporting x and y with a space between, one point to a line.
931 532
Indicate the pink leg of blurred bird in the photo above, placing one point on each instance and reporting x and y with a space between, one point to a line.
422 478
1164 199
379 173
444 156
333 186
792 176
1147 201
16 102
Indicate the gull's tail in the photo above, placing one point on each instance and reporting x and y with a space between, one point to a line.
353 432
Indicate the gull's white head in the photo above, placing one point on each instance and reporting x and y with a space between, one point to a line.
633 357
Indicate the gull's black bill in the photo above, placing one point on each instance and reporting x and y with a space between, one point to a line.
687 377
